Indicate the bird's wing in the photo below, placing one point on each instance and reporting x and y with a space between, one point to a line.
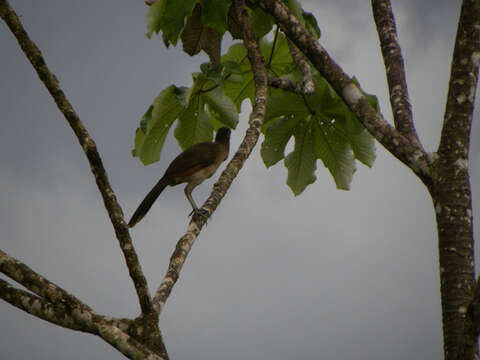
193 159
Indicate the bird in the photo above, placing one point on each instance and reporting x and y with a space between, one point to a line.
193 166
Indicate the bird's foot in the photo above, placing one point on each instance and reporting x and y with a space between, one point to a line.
199 213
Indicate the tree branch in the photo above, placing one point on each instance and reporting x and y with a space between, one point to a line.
400 146
395 69
39 285
56 306
56 314
463 83
285 84
308 86
454 213
89 147
123 342
234 166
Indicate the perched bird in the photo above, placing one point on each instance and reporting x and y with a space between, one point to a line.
193 166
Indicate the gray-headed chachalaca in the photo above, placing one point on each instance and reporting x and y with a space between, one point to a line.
193 166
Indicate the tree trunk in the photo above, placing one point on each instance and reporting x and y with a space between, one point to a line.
452 200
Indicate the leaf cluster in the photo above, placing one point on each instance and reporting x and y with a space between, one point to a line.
320 124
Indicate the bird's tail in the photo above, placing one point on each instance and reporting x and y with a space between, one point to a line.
147 203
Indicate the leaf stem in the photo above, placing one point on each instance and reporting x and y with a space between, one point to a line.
273 47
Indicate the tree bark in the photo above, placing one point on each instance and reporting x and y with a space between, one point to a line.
451 194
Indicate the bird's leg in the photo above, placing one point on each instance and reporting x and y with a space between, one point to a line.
196 211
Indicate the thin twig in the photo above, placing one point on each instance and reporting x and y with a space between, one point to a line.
308 87
395 69
89 147
284 84
234 166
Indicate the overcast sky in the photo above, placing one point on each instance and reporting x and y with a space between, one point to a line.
330 274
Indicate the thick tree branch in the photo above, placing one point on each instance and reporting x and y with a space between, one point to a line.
400 146
395 69
451 193
234 166
37 284
56 314
55 305
463 82
47 292
124 343
89 147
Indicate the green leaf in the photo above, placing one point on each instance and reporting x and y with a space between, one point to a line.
172 19
261 22
214 118
362 144
296 9
335 152
141 131
145 119
235 90
232 72
153 17
301 162
276 138
287 104
222 105
329 105
156 123
214 14
311 25
279 64
194 125
281 60
201 83
338 137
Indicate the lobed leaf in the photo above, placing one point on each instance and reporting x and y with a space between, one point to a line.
244 89
338 137
215 14
153 17
222 105
262 22
312 25
156 123
169 17
194 125
277 137
335 152
301 162
287 104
